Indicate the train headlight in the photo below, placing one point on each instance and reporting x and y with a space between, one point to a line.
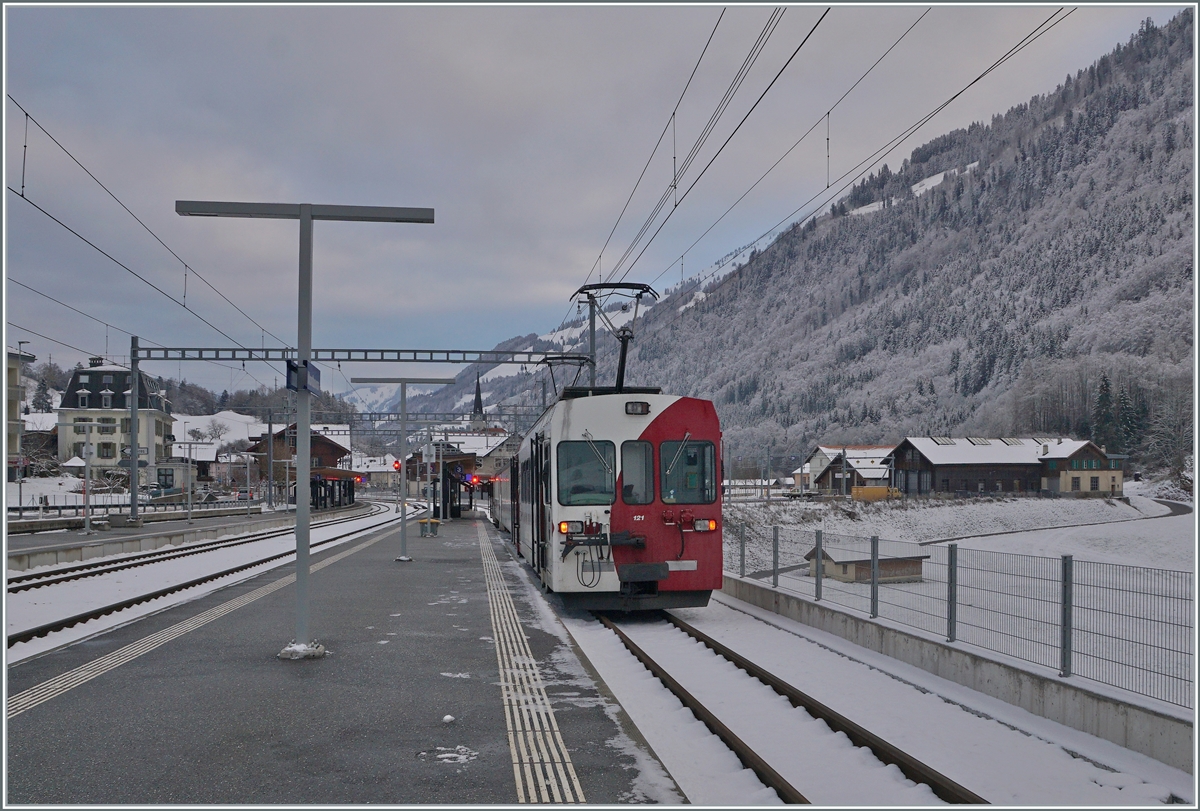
705 524
570 527
637 408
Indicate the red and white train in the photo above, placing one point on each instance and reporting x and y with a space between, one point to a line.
614 499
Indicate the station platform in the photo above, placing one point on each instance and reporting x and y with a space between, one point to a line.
192 705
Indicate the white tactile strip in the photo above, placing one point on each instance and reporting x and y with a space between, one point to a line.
52 688
541 766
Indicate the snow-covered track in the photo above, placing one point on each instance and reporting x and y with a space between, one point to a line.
745 753
98 567
913 769
101 611
772 766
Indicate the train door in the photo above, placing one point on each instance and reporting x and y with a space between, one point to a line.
514 500
537 467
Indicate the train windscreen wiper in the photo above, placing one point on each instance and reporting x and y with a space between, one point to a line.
687 435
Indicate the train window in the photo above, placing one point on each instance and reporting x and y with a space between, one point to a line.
586 472
637 472
688 472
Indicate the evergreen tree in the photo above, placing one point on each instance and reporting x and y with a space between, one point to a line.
1104 424
41 398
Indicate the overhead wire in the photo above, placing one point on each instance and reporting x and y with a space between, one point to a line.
725 144
1041 29
114 326
790 149
139 221
722 105
60 343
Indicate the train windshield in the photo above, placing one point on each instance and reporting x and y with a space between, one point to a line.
688 472
586 472
637 472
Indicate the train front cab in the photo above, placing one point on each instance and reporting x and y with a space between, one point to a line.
620 506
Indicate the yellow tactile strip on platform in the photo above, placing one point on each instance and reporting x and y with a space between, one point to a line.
541 766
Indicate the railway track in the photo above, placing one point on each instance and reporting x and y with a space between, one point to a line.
24 582
104 610
770 768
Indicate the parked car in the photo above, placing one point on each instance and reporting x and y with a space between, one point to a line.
797 492
243 494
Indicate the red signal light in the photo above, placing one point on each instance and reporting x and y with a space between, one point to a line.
474 480
396 465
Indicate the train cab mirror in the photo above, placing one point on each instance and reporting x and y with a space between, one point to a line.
637 408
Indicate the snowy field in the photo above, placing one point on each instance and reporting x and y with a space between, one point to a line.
1092 529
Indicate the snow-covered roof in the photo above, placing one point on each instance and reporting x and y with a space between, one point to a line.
988 451
40 422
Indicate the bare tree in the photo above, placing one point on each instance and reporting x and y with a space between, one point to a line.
216 430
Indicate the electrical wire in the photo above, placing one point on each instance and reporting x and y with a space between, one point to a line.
61 343
725 144
793 146
1041 29
138 219
722 106
113 326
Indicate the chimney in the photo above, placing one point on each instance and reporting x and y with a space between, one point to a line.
95 362
1060 440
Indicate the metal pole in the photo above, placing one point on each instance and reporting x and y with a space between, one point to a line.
303 425
820 563
134 389
775 556
403 486
20 450
742 544
1067 588
87 483
189 482
951 592
270 460
592 337
247 484
874 575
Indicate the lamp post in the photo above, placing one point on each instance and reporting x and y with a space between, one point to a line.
404 381
301 647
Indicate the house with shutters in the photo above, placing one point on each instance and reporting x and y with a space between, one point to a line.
101 393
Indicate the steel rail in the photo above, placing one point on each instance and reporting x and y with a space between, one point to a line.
913 769
751 759
96 613
100 566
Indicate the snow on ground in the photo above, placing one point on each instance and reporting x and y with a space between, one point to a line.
28 609
1119 533
58 490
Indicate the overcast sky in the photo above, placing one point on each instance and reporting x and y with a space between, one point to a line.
525 128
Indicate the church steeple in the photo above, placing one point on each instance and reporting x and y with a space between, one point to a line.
477 420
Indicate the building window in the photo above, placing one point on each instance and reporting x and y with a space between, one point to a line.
107 450
166 477
845 569
108 425
946 485
77 448
83 401
106 401
999 486
1113 464
83 378
981 485
1016 485
125 426
1074 484
1095 483
107 379
1053 465
79 428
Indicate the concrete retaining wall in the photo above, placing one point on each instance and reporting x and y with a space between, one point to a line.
1157 735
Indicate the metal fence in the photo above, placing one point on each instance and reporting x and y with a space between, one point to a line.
1126 626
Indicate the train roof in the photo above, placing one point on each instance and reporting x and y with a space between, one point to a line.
572 392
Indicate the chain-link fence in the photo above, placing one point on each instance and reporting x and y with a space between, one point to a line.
1126 626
